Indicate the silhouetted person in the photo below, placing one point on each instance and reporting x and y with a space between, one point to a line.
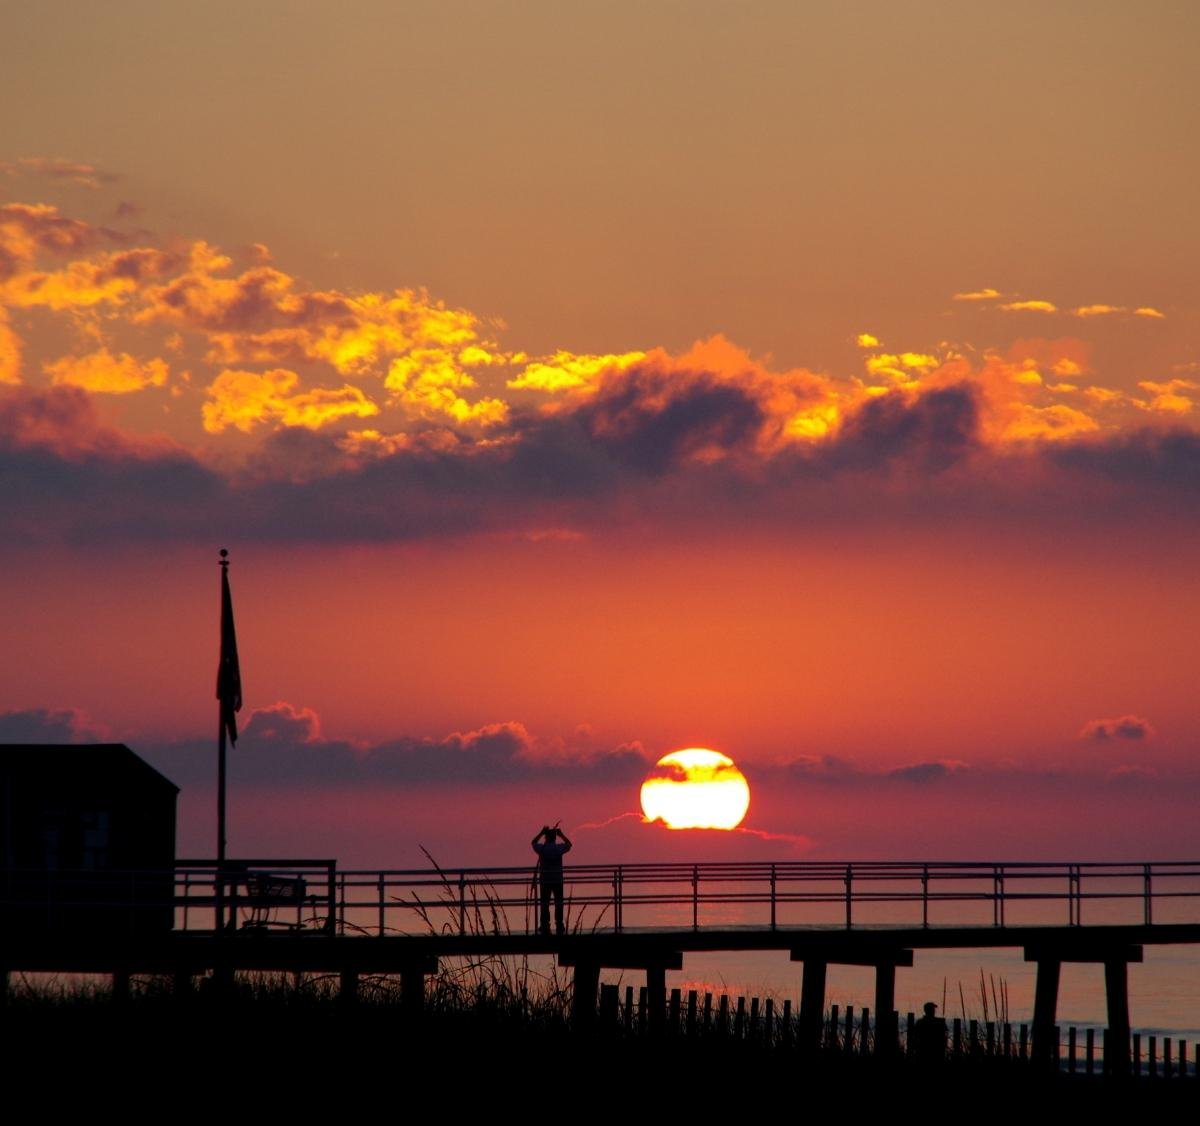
930 1033
550 845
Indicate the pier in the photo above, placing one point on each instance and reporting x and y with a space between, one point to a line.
306 915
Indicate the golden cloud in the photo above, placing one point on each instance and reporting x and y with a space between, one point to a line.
247 399
1168 397
566 371
10 350
1030 307
978 295
104 373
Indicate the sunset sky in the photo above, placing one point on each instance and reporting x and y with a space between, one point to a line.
573 383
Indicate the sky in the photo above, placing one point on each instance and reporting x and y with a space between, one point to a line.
571 384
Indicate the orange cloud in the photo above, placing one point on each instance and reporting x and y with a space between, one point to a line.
110 278
1168 396
1098 310
246 399
10 351
1030 307
566 371
988 294
866 340
105 373
430 382
1149 311
29 228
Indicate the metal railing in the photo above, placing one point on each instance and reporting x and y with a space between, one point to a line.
616 898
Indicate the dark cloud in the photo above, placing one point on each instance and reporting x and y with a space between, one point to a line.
922 773
48 725
1125 728
1162 460
283 745
68 477
931 433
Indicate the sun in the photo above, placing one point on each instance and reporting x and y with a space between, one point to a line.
696 789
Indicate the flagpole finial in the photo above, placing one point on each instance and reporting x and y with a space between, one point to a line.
224 558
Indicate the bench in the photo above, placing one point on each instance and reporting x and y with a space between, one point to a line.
266 894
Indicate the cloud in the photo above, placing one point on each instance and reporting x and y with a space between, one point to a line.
285 744
1150 312
1030 307
48 725
1098 310
988 294
30 229
58 169
866 340
1169 397
923 773
1126 728
10 350
103 373
246 399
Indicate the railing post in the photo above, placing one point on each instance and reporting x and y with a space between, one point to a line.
619 881
772 897
925 896
462 902
1000 878
695 897
331 919
849 880
1148 894
381 891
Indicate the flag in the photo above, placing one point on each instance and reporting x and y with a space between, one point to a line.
229 676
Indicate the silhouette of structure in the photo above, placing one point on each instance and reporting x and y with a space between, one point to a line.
75 821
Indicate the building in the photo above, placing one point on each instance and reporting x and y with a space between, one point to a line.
87 840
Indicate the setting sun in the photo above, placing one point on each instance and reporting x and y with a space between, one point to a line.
695 789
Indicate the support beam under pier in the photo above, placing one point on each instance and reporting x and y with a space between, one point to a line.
1115 960
812 990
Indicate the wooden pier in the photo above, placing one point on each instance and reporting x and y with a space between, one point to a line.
307 916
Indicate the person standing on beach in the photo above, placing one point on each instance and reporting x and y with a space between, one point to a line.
551 844
930 1033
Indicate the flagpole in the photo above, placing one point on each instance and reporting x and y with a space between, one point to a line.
221 772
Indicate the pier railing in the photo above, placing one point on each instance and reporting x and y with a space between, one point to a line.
308 896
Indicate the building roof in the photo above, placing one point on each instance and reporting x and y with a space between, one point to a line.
69 764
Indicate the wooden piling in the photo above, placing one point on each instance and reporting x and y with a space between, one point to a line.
956 1041
610 1004
787 1021
832 1034
1089 1049
1152 1057
691 1012
583 997
1045 1006
723 1015
1072 1041
1024 1041
848 1039
864 1032
812 1003
769 1021
673 1014
708 1012
1137 1055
